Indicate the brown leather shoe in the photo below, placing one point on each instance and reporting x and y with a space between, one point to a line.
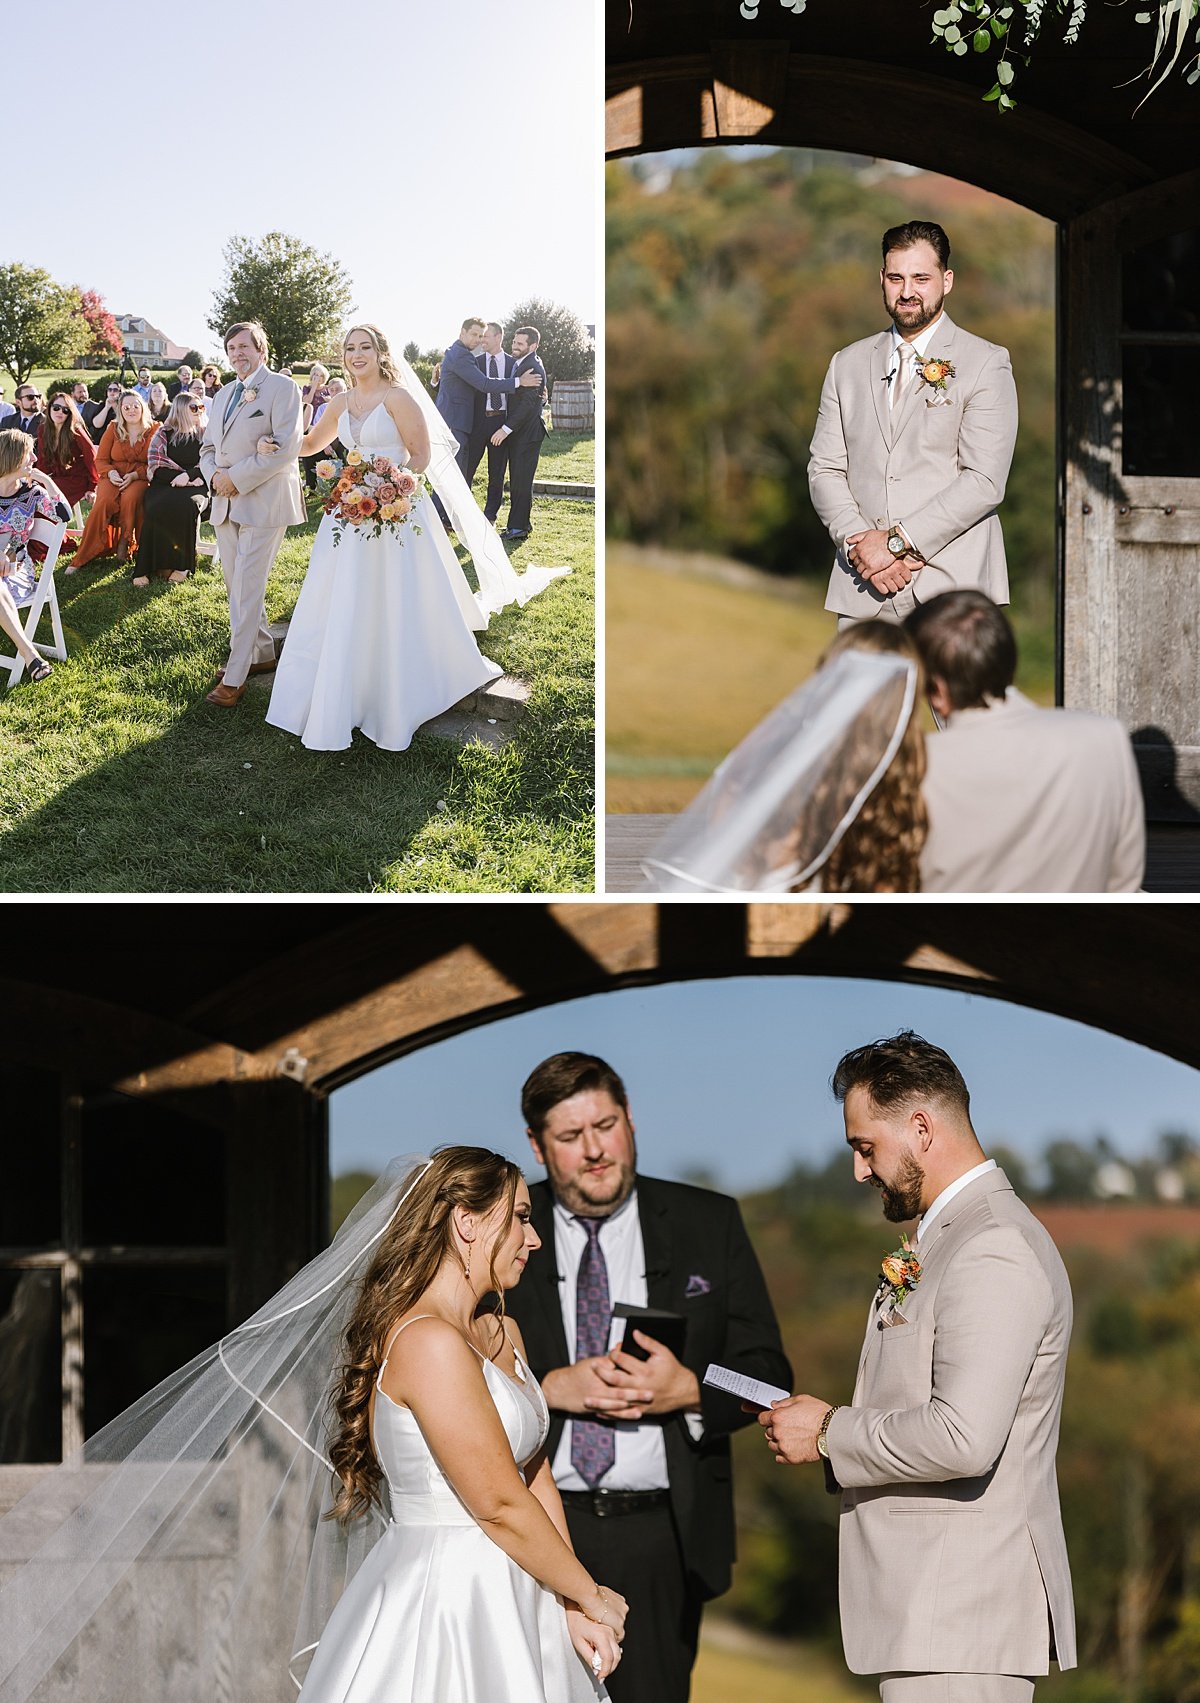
225 697
254 668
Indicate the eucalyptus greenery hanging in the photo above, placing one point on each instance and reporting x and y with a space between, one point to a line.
1011 30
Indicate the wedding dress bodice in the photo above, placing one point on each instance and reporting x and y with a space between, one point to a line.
421 1494
375 432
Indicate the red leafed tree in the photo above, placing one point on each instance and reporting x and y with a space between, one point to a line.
100 334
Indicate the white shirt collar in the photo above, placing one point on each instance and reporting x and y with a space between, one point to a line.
254 377
919 344
566 1216
948 1194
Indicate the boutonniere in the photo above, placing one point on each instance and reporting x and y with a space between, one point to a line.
250 395
900 1272
934 371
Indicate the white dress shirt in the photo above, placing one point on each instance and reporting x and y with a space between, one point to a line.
641 1453
902 350
948 1194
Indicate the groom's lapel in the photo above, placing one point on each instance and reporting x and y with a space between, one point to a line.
913 401
881 365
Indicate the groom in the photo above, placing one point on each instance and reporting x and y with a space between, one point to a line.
954 1580
255 497
463 380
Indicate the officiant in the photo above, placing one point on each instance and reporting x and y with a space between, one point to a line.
639 1446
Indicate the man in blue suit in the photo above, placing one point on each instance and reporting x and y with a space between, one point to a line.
462 380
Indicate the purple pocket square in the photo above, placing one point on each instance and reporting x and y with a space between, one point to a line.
696 1286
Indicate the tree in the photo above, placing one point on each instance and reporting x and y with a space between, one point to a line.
193 359
99 335
566 349
412 352
38 323
299 296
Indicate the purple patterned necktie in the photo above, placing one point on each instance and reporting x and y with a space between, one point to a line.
593 1445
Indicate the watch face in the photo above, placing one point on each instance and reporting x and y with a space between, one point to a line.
823 1448
896 544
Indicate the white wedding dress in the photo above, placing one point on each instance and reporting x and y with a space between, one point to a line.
438 1613
381 636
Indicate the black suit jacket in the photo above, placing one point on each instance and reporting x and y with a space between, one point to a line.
699 1262
525 404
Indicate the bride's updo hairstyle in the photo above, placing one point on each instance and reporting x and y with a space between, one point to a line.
881 849
406 1262
387 365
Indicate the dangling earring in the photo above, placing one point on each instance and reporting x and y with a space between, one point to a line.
467 1263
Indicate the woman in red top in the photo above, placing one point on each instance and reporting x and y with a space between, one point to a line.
121 463
65 451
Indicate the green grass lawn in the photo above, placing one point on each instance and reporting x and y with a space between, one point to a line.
568 455
116 776
696 657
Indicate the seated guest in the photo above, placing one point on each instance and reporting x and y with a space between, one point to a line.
181 381
81 398
143 384
177 496
27 494
212 380
116 515
158 402
104 413
1020 799
64 450
28 416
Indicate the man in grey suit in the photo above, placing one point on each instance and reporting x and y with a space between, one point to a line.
953 1572
1020 799
255 497
912 447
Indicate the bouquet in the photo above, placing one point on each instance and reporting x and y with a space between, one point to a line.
370 493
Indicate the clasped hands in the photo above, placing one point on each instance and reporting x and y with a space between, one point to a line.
791 1428
616 1385
223 485
871 559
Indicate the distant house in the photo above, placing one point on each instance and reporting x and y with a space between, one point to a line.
146 345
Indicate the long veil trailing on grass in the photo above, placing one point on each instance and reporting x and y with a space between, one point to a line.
777 806
499 582
183 1553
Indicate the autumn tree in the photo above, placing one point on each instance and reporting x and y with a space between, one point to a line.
97 332
299 296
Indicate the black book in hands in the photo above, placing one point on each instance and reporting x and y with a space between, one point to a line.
668 1328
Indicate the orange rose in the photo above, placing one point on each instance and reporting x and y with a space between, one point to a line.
895 1270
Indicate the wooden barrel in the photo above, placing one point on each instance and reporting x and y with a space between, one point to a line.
573 405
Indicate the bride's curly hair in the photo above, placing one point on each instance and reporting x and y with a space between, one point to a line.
387 361
880 851
404 1265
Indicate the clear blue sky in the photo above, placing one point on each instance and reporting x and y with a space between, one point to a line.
445 153
732 1076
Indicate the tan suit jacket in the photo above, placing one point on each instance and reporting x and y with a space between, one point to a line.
1029 800
269 492
937 468
951 1550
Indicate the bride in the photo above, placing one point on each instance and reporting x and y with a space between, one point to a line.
425 1554
382 635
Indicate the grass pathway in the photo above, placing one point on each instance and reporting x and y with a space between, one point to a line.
116 776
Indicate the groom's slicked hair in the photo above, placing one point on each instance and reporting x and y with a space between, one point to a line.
257 335
967 641
531 332
899 1070
561 1077
474 320
914 231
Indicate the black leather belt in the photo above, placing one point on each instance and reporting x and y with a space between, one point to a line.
602 1503
495 413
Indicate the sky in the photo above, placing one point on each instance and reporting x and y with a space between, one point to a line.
730 1078
447 154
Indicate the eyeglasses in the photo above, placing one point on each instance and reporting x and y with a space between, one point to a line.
30 396
59 408
195 407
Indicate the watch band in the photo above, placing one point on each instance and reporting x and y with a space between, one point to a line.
824 1451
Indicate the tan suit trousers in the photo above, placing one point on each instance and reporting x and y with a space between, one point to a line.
955 1688
246 556
895 611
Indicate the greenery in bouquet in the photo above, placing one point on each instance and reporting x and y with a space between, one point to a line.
370 493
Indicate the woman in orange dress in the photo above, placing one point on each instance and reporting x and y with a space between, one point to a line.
121 465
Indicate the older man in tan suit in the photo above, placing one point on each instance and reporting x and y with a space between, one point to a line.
1020 799
255 497
912 447
954 1580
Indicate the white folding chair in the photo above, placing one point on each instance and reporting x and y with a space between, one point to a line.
43 596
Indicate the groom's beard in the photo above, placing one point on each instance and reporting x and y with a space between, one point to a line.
902 1198
916 317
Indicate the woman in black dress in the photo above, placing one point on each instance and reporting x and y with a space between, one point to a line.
177 496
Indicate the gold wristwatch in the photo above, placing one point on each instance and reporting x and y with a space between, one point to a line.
822 1445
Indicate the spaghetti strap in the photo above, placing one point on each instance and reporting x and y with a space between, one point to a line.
387 1347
